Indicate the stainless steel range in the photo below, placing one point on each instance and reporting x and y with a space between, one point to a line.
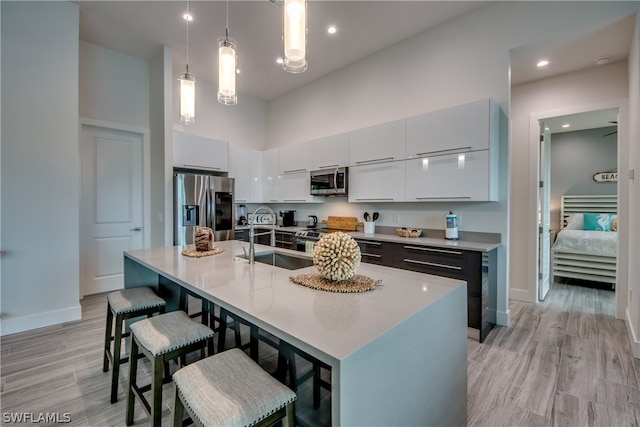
306 239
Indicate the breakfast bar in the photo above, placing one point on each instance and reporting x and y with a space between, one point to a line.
398 354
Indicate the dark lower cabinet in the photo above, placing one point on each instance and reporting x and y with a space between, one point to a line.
286 239
242 235
375 252
478 269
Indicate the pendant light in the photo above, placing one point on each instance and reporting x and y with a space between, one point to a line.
187 85
295 36
227 68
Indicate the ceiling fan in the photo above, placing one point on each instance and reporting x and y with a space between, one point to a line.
614 132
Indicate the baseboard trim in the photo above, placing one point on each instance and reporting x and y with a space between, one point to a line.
633 337
34 321
519 295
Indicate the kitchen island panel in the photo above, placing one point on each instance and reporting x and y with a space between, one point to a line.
428 349
409 317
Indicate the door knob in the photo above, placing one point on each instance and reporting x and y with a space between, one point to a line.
136 229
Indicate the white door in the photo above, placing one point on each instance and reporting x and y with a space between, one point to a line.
110 205
544 215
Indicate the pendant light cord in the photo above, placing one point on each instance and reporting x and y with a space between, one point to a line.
227 30
188 18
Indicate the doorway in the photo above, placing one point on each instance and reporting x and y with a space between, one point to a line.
111 204
573 149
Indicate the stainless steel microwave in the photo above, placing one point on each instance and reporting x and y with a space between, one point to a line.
330 182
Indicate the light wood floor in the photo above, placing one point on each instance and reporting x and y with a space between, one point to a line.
563 362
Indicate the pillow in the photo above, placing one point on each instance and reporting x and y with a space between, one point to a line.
614 223
597 222
574 222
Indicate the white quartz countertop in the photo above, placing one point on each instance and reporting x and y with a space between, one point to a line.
428 241
330 326
468 245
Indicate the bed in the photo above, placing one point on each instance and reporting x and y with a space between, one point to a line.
587 254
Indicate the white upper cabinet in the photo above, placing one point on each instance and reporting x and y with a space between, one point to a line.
380 143
196 152
330 152
245 165
464 177
270 175
294 180
467 127
295 158
378 182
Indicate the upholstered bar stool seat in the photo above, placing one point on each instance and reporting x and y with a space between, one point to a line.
230 389
161 339
122 305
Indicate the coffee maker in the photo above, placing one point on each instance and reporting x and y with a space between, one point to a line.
288 218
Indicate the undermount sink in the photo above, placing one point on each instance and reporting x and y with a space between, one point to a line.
283 260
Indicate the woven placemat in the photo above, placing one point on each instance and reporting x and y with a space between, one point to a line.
199 254
357 283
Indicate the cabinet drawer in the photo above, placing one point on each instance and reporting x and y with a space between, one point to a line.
452 263
285 240
374 252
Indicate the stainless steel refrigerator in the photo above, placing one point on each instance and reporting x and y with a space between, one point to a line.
202 201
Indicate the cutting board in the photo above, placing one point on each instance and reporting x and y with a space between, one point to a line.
347 223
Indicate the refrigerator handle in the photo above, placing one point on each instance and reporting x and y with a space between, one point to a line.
211 221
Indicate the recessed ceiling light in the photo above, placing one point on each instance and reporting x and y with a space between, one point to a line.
332 29
603 60
187 17
566 125
279 60
543 63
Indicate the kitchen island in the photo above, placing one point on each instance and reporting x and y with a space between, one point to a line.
398 354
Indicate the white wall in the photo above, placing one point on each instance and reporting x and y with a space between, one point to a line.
465 59
548 98
244 124
575 157
631 188
114 87
40 165
160 97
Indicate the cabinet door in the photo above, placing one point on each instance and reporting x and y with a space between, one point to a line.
295 187
330 152
270 175
295 158
380 143
195 152
455 177
380 182
468 127
245 165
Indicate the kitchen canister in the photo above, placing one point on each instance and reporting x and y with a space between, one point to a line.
369 227
451 232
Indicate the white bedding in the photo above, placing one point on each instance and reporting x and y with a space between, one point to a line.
592 242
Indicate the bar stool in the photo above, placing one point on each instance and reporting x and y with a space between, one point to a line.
229 389
287 361
125 304
205 307
162 338
235 323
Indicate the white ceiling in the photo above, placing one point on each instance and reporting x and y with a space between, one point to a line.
141 28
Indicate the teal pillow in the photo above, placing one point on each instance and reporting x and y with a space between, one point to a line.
597 221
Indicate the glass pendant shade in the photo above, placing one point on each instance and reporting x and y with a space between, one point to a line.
295 36
187 98
227 71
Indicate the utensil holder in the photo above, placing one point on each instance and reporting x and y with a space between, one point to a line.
369 227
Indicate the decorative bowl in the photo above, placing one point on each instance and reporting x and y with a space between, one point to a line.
409 232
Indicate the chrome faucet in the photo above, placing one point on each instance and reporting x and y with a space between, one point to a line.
269 220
